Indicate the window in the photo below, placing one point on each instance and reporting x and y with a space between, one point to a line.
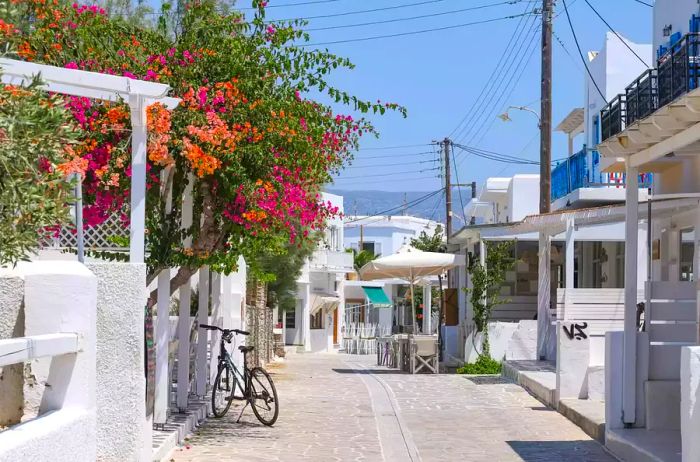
317 320
687 252
369 247
290 319
332 238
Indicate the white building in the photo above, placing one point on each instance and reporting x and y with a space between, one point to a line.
316 322
384 235
579 181
381 235
654 127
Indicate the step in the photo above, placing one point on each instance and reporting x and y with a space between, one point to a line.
642 445
587 414
177 427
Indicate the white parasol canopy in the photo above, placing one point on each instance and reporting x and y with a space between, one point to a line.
411 264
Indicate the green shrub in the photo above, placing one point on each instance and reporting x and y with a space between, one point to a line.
483 365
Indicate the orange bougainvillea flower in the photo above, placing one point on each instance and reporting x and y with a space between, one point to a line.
201 162
25 51
75 165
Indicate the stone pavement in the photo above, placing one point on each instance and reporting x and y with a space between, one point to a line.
342 408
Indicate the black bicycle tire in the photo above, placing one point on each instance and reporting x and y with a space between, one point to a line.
274 393
219 415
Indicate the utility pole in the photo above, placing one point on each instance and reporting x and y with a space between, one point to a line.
448 189
546 108
472 221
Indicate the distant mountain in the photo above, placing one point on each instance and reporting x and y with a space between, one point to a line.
379 202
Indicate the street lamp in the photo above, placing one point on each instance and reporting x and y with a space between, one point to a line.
506 117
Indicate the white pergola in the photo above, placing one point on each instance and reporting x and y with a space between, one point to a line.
138 94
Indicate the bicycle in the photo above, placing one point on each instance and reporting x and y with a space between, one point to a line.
257 390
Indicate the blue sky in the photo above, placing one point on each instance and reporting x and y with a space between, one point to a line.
439 75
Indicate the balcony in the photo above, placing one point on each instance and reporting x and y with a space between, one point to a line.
574 174
332 261
677 73
570 175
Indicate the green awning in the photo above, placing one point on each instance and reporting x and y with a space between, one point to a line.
377 296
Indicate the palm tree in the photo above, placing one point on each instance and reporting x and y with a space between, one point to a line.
361 258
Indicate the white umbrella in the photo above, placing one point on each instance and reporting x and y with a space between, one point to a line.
411 264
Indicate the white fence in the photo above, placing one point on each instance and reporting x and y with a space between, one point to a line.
59 345
672 324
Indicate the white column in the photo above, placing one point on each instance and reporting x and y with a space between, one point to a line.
184 324
543 295
202 335
306 317
427 313
162 334
183 346
216 320
139 134
569 261
696 269
629 370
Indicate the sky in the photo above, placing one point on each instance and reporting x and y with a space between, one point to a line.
439 77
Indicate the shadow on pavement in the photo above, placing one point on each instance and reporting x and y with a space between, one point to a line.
577 451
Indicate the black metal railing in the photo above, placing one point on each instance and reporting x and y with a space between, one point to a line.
678 69
612 117
677 72
641 97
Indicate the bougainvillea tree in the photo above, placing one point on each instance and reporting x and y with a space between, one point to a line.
252 148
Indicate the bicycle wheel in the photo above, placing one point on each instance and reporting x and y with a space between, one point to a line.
263 396
223 390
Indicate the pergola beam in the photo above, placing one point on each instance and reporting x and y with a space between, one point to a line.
138 94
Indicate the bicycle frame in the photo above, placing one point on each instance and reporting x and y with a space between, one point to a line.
225 358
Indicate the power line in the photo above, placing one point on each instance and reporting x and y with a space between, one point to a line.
503 92
499 91
573 32
384 180
393 164
410 18
416 32
408 204
644 3
395 147
499 157
349 13
624 42
390 174
285 5
394 156
489 81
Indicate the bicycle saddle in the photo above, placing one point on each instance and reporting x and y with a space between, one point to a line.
245 349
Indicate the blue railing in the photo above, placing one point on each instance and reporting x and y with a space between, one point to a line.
569 175
574 173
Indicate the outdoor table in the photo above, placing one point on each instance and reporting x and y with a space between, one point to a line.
402 351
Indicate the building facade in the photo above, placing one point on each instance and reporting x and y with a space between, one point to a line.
316 322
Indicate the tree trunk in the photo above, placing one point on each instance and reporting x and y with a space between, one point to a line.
210 238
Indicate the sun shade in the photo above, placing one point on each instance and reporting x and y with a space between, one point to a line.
377 296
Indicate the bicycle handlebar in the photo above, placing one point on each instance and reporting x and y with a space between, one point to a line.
235 331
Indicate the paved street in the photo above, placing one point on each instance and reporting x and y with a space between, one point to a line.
341 408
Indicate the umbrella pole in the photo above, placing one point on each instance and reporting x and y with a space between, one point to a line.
413 310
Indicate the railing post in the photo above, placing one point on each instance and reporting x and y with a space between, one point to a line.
184 319
202 335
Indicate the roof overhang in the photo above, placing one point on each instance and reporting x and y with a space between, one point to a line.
572 123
